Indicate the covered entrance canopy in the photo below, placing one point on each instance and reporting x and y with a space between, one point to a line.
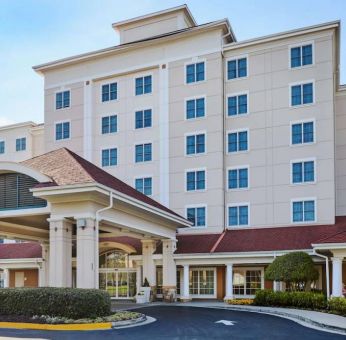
69 200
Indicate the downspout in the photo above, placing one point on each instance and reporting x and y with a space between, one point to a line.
97 223
327 270
224 182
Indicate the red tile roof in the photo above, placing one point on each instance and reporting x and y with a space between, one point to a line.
264 239
65 167
20 250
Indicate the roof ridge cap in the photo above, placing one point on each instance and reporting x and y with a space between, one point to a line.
218 241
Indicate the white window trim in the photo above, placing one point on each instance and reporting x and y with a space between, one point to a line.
194 170
15 143
236 94
105 116
60 122
152 152
202 205
301 199
3 140
304 82
237 204
196 60
108 83
301 44
203 296
108 148
63 89
238 167
152 118
302 160
236 57
204 96
142 75
237 131
244 269
302 121
143 177
195 133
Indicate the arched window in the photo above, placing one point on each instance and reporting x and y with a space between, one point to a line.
114 259
15 192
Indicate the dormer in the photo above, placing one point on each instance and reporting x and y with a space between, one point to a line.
154 24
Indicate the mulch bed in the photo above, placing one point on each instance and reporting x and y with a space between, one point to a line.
20 318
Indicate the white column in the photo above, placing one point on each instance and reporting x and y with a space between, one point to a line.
337 277
139 277
276 286
185 295
60 253
6 278
44 269
87 259
149 269
169 268
229 282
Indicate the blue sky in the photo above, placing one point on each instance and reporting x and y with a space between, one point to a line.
38 31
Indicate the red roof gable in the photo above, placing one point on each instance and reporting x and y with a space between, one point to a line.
65 167
20 250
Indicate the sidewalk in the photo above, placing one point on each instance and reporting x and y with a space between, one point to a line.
320 320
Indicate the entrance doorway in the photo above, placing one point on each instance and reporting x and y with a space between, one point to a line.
119 283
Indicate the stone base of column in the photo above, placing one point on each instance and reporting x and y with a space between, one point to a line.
185 299
228 298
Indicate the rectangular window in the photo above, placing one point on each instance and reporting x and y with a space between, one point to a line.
237 105
143 153
144 185
109 157
195 108
21 144
196 215
238 178
238 141
143 85
302 94
303 211
237 68
109 124
195 144
202 282
303 172
143 119
302 133
2 147
62 100
195 180
62 130
109 92
238 215
246 282
195 72
301 55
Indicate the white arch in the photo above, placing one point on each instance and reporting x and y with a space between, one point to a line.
110 245
23 169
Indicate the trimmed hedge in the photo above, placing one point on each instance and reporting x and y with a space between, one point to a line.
65 302
337 305
309 300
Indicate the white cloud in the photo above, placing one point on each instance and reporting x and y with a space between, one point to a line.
5 121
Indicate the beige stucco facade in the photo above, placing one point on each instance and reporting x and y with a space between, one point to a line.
161 45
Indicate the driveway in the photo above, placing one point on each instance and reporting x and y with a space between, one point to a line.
175 322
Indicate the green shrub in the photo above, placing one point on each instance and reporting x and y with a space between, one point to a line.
337 305
65 302
307 300
295 269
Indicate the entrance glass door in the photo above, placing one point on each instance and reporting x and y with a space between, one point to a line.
120 284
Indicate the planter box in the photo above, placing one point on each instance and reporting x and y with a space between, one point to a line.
143 296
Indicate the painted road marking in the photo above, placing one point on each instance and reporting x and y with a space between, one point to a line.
226 322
